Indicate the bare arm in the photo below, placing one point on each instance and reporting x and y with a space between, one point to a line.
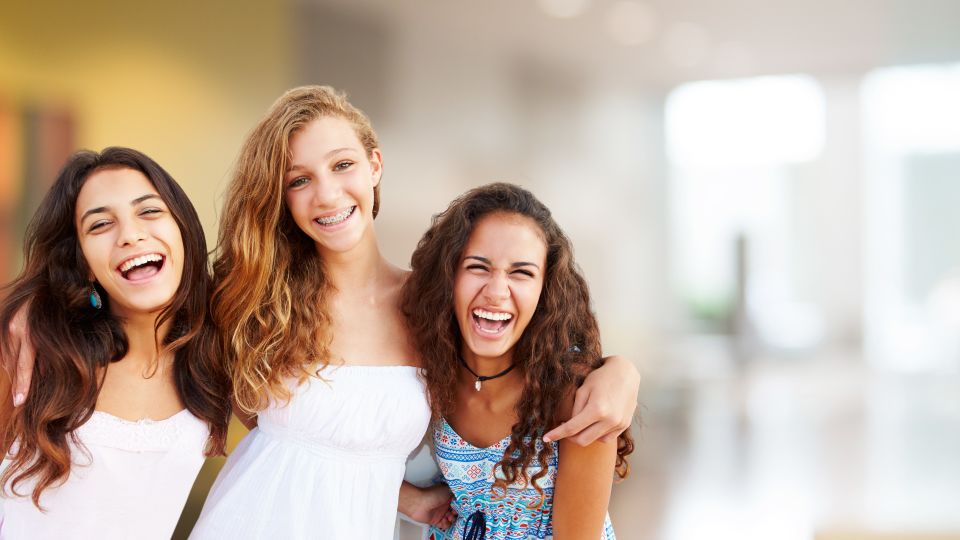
603 406
582 490
430 505
18 358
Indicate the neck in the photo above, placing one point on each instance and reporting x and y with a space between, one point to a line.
356 270
488 367
144 341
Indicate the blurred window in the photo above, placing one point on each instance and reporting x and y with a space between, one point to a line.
734 147
911 131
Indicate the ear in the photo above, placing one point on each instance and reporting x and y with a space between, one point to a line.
376 166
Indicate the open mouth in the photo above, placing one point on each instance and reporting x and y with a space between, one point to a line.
142 267
337 218
491 322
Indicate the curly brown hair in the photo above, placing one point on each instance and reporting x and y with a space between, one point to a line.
270 300
74 341
559 347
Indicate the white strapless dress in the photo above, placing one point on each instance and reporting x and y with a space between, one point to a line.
328 464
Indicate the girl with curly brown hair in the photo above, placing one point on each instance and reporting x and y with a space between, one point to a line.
126 394
501 318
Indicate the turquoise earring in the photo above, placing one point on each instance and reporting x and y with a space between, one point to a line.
95 300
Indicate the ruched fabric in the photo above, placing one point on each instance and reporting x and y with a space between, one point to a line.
327 464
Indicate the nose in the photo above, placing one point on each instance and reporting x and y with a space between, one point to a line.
131 232
497 288
326 191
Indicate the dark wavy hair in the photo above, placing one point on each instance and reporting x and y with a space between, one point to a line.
559 347
73 341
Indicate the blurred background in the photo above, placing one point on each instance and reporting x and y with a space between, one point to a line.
762 193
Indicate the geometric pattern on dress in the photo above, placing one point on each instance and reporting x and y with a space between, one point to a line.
469 471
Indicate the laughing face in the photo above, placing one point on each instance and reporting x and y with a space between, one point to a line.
328 186
497 286
130 241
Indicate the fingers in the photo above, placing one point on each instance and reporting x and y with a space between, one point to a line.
446 519
24 372
25 353
591 424
564 430
577 423
609 437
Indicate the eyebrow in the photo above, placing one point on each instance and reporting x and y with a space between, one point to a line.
513 265
295 166
134 202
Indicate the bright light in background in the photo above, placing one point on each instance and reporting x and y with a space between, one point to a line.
563 9
911 127
914 108
731 144
632 23
762 120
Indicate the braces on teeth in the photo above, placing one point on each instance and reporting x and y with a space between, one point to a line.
336 218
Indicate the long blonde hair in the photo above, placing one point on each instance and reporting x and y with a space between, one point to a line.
270 297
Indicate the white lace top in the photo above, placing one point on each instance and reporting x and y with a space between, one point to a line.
128 480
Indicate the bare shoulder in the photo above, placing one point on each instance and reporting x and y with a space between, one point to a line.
396 276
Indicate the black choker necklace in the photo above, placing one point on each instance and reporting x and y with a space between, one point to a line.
481 378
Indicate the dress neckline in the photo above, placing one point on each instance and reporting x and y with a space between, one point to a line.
499 445
141 421
370 366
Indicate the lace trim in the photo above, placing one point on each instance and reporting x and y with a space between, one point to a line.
104 429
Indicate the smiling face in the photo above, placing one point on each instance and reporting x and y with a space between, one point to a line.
328 186
130 241
497 286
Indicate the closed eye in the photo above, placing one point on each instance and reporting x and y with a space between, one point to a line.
97 225
527 273
479 267
151 210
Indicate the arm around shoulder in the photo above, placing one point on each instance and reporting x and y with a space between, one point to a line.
604 404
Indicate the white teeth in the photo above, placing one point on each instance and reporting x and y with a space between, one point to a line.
336 218
491 316
140 261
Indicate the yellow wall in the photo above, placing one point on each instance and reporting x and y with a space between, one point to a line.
183 82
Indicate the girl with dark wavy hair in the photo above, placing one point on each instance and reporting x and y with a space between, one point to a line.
500 315
126 394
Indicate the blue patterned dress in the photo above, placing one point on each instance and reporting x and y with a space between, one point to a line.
469 472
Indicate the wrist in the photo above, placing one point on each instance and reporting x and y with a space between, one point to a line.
409 495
